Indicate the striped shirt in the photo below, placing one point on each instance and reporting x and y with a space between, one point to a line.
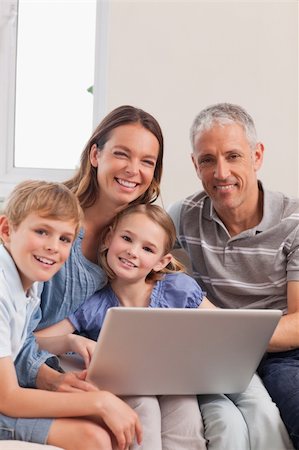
250 270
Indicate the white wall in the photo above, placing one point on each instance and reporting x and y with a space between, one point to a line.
174 58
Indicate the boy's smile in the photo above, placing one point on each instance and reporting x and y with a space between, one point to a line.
39 247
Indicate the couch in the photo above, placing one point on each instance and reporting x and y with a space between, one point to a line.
21 445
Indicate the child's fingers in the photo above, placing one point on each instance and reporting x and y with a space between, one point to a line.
73 382
121 441
138 431
86 358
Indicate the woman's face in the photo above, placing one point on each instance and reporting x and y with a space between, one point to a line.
126 164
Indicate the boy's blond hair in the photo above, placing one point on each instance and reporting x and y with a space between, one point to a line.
159 216
47 199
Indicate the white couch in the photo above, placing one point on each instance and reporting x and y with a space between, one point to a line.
21 445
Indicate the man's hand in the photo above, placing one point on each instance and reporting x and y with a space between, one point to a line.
286 334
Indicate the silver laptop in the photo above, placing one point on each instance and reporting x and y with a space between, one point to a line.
152 351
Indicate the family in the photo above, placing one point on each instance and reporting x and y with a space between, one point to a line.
71 251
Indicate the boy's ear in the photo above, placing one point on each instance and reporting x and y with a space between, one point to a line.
5 229
164 261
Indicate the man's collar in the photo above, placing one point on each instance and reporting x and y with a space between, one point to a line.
271 216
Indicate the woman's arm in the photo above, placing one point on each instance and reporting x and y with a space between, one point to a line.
58 339
68 343
58 329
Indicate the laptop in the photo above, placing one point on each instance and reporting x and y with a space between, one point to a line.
154 351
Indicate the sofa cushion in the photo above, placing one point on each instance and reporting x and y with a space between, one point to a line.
21 445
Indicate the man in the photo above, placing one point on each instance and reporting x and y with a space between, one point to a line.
243 242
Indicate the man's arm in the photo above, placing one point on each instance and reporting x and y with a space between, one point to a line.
286 335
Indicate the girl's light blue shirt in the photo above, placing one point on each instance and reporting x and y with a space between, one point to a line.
177 290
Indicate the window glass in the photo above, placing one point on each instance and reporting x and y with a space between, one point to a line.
55 70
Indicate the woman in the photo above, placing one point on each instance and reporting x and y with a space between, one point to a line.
120 165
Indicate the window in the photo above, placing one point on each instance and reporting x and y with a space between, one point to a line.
46 100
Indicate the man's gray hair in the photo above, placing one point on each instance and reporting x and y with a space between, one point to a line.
224 114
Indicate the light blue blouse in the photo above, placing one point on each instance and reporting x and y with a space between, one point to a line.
177 290
75 282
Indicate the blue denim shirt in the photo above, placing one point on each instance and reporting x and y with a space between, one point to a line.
76 281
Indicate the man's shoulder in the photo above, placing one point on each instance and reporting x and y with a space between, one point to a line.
191 202
287 206
181 210
291 205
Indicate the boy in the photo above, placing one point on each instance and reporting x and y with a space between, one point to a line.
37 229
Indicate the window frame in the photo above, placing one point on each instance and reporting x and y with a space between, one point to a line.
9 174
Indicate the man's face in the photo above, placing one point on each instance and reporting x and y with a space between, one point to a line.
227 165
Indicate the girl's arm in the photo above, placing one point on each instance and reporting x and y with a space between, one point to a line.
58 339
25 402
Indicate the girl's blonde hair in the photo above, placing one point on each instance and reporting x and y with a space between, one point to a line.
84 183
47 199
157 215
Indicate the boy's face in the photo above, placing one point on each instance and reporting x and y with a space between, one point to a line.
38 246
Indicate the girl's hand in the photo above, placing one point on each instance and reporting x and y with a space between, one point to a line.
82 345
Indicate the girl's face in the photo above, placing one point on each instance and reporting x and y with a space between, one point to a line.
136 247
126 164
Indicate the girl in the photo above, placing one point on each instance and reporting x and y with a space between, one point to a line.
136 256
